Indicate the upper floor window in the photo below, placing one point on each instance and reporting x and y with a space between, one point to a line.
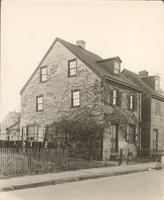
115 97
72 67
157 82
131 103
116 68
75 98
39 103
157 107
43 74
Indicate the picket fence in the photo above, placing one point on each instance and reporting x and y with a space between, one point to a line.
17 161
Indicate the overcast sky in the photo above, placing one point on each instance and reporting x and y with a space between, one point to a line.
133 30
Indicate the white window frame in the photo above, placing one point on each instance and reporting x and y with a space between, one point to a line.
75 98
39 104
116 68
43 74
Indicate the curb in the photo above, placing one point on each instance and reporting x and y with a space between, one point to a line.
72 179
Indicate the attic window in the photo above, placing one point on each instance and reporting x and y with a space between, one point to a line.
43 74
72 67
116 68
156 84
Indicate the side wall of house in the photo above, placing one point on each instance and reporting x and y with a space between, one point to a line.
146 123
57 92
157 119
122 117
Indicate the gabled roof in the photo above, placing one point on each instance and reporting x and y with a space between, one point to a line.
92 61
145 87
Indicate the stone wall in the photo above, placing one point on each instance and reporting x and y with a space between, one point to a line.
57 92
121 116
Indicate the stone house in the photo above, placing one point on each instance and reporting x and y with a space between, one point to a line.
152 123
70 80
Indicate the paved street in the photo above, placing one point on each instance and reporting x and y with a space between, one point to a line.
138 186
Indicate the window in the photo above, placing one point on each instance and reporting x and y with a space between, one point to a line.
157 82
43 74
72 68
155 139
115 97
157 107
131 103
131 133
39 103
75 98
116 68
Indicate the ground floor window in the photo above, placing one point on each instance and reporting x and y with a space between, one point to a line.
155 139
131 136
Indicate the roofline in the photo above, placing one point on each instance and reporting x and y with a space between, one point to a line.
150 91
98 74
13 125
113 58
52 45
45 55
121 83
156 96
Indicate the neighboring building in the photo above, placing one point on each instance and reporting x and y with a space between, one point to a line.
13 132
152 141
70 80
9 120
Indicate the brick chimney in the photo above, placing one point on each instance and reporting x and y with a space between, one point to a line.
81 43
143 73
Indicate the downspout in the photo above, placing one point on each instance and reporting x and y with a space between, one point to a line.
140 107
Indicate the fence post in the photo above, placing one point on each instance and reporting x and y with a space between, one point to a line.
120 161
127 162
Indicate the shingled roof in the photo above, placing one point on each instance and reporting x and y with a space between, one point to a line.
92 61
145 87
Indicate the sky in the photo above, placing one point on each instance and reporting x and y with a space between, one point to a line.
132 30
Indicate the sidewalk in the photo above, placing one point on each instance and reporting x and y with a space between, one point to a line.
71 176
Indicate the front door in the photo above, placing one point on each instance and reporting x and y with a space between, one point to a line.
114 138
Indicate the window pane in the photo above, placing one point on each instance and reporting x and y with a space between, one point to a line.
114 93
40 106
73 72
76 102
44 77
72 64
40 99
76 94
44 70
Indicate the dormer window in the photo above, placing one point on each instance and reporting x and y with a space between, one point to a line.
157 82
72 67
116 68
43 74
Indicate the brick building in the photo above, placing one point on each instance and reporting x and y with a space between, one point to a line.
70 80
152 124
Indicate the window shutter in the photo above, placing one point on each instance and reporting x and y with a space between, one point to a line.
135 102
26 133
111 97
119 95
128 102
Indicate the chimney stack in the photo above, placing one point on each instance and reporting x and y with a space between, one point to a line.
80 43
143 73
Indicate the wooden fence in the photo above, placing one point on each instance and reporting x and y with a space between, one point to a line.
14 161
